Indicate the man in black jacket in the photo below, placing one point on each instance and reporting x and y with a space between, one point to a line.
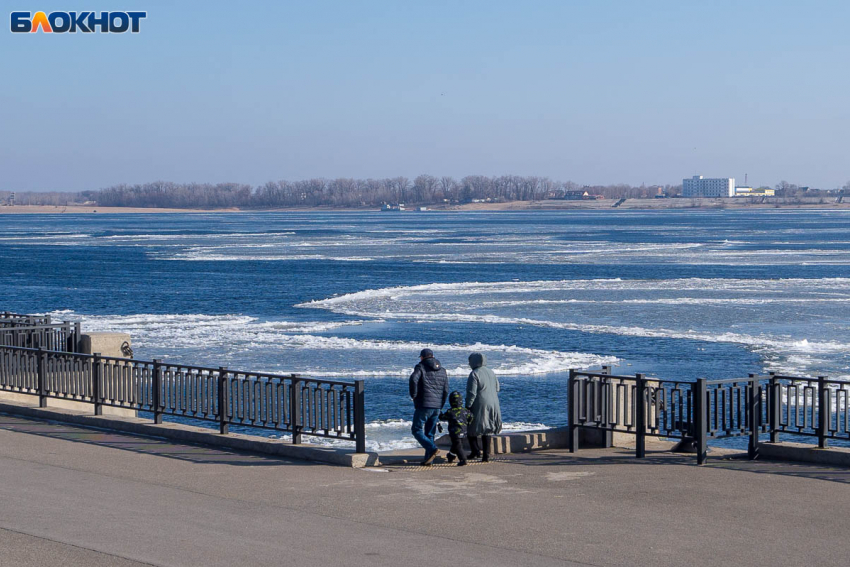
429 388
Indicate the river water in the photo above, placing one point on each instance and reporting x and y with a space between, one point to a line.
673 294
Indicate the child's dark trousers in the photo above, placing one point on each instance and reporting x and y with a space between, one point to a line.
457 447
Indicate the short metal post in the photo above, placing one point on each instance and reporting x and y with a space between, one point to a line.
295 408
95 384
775 409
572 408
640 418
41 371
223 401
755 416
824 411
701 420
157 391
359 416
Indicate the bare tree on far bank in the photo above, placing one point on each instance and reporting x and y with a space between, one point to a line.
424 190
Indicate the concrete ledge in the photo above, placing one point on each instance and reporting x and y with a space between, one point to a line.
522 441
58 403
197 435
800 452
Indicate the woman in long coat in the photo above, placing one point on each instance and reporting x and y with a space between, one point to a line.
482 398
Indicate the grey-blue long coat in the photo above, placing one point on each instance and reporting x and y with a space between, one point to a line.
482 397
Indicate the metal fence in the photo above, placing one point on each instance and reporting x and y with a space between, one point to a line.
10 319
288 403
812 407
34 331
708 409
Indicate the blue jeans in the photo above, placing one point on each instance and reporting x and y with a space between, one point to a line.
424 427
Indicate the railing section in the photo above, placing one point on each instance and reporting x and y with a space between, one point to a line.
290 403
33 332
696 411
811 407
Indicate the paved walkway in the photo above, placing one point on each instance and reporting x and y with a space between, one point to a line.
70 496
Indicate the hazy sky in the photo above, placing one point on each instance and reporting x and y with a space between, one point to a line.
592 91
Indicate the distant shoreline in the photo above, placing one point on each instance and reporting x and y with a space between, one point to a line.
548 205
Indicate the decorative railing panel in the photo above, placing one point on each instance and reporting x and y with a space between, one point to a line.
63 337
288 403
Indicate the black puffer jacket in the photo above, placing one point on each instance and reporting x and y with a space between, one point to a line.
429 385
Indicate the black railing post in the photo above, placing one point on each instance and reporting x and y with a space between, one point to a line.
74 341
359 416
607 400
754 403
223 401
95 384
156 387
41 372
572 409
701 420
824 411
640 418
775 409
295 408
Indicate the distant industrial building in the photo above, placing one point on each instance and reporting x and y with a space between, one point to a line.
699 186
752 192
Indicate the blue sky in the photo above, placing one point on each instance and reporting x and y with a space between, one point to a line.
593 92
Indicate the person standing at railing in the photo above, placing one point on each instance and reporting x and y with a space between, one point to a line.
429 389
482 398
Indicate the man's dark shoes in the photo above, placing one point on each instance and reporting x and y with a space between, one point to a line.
461 463
429 458
451 457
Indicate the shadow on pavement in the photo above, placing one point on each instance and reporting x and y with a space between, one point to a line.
202 454
736 462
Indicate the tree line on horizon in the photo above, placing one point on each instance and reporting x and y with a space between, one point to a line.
346 192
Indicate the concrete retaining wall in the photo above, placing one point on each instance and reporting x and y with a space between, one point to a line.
107 344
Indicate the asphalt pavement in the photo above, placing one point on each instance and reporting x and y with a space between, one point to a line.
73 496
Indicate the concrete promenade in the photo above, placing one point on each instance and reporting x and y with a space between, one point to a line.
74 496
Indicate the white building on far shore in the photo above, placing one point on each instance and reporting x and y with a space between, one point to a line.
699 186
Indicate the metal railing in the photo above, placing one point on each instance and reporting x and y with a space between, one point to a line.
289 403
705 410
9 319
34 331
811 407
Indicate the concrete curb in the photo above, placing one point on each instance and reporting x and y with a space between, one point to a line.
522 441
198 435
802 453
